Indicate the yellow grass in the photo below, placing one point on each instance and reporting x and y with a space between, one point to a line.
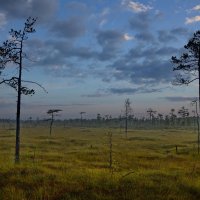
74 164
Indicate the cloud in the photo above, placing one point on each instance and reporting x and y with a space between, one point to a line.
71 28
145 65
108 37
180 31
35 8
58 52
192 19
77 7
136 6
95 95
140 22
179 98
196 8
153 71
129 91
122 91
3 20
145 36
110 41
151 53
128 37
105 12
165 36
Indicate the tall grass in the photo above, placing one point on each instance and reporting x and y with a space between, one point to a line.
74 164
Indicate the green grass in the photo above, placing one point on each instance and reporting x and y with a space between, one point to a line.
74 164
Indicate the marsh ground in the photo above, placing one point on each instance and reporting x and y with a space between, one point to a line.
74 164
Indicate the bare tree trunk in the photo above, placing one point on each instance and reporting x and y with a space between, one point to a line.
17 146
126 127
51 124
198 129
199 102
110 151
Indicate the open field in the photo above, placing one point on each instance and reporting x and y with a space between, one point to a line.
74 164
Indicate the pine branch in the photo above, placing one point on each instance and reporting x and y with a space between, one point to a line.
33 82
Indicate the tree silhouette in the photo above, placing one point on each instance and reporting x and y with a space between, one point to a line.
188 64
172 116
82 113
151 113
127 112
197 120
52 112
12 52
183 113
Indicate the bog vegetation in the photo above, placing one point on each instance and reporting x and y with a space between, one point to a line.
74 163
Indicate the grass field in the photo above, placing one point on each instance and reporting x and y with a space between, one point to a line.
74 164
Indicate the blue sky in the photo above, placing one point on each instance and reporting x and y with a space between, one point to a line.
92 55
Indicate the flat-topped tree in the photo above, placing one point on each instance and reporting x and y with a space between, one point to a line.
53 113
151 113
183 113
12 52
82 113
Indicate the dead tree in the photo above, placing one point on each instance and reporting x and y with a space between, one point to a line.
197 117
12 52
110 151
81 113
151 113
128 110
172 116
52 112
183 113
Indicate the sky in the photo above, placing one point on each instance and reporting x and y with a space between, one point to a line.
92 55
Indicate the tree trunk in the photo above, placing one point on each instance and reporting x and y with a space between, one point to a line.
17 146
51 124
199 103
126 126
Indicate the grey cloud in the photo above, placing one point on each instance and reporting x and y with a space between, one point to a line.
173 34
3 20
95 95
150 72
166 51
180 31
69 70
109 40
109 37
165 36
67 49
44 9
130 91
140 22
71 28
145 36
152 52
61 105
57 52
77 8
122 91
179 98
